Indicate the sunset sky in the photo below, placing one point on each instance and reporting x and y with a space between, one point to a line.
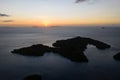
59 12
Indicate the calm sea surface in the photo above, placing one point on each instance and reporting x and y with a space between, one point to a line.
101 65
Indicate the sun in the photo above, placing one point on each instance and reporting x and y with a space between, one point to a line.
46 24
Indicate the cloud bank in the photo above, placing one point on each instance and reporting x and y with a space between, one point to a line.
6 21
4 15
77 1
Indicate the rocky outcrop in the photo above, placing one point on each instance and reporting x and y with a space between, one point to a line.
80 43
34 50
33 77
71 49
98 44
117 56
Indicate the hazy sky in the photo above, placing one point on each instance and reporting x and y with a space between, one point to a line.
59 12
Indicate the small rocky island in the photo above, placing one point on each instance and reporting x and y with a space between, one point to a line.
117 56
33 77
72 49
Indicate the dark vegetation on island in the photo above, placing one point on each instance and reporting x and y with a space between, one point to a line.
33 77
117 56
72 49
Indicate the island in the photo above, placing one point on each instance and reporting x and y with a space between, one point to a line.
33 77
117 56
72 49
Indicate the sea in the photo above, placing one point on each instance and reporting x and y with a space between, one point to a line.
101 64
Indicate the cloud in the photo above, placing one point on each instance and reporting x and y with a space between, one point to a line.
6 21
77 1
4 15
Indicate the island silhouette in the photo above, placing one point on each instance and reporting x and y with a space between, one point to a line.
117 56
72 49
33 77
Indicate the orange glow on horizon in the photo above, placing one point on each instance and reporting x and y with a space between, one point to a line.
61 22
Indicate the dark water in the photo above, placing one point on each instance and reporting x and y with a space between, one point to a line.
101 65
